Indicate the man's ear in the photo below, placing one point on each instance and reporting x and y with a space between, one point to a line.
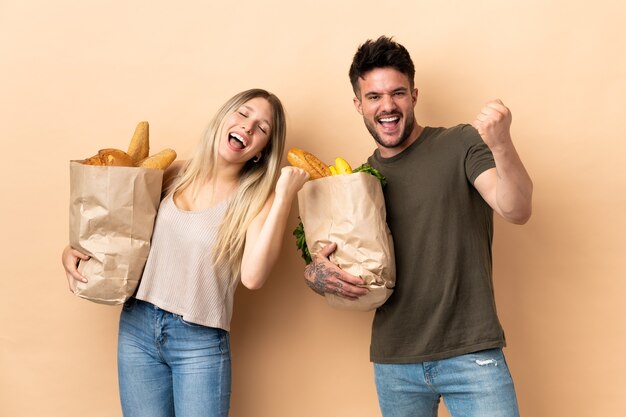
357 105
414 95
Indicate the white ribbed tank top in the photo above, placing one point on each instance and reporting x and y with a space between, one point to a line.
180 276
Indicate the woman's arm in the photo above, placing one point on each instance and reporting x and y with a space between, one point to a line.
70 258
265 234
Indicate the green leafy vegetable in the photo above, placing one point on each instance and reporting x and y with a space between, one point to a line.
373 171
301 243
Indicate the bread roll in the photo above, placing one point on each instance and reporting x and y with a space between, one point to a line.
110 157
94 160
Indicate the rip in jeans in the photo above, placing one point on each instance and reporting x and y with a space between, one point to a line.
486 362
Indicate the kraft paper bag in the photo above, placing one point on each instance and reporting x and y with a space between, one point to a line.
349 210
112 214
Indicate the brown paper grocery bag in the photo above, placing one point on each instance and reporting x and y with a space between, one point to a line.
112 213
349 210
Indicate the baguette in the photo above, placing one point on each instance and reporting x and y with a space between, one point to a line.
160 160
139 147
308 162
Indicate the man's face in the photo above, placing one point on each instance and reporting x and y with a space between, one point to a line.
387 105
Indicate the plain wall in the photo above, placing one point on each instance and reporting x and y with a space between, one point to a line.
76 76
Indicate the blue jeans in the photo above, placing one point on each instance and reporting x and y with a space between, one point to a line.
168 367
474 385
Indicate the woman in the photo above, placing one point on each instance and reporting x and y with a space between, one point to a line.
218 223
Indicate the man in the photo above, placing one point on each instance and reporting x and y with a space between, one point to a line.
438 335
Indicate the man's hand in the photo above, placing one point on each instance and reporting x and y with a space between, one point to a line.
507 188
494 125
324 277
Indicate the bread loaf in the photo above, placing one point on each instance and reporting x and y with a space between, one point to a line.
160 160
139 147
308 162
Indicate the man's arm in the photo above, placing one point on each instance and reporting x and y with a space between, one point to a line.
507 188
323 277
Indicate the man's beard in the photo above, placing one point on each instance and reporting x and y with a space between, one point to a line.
406 132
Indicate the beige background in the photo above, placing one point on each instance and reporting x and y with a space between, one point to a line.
76 76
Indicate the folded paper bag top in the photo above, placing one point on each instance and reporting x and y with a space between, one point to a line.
349 210
112 214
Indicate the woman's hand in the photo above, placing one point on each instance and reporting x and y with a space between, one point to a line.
70 259
290 182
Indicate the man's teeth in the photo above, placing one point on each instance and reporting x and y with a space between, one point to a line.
388 119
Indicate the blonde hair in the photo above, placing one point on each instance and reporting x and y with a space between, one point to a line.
256 180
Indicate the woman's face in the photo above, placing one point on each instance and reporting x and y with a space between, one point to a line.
246 131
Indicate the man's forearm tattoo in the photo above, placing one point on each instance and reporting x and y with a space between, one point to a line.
316 277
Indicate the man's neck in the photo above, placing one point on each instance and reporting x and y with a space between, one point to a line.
391 152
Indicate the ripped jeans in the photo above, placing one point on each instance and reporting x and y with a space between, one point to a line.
473 385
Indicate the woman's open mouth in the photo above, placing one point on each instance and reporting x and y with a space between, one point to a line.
237 141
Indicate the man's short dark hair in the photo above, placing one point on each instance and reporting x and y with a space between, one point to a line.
384 52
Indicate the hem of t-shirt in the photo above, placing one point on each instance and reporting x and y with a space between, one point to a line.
439 355
176 310
484 167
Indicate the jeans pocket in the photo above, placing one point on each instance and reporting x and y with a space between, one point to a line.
188 323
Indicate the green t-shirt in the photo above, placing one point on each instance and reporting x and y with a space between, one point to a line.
443 304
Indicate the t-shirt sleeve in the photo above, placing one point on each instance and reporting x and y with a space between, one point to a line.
478 158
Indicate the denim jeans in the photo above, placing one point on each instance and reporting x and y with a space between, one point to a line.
168 367
474 385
